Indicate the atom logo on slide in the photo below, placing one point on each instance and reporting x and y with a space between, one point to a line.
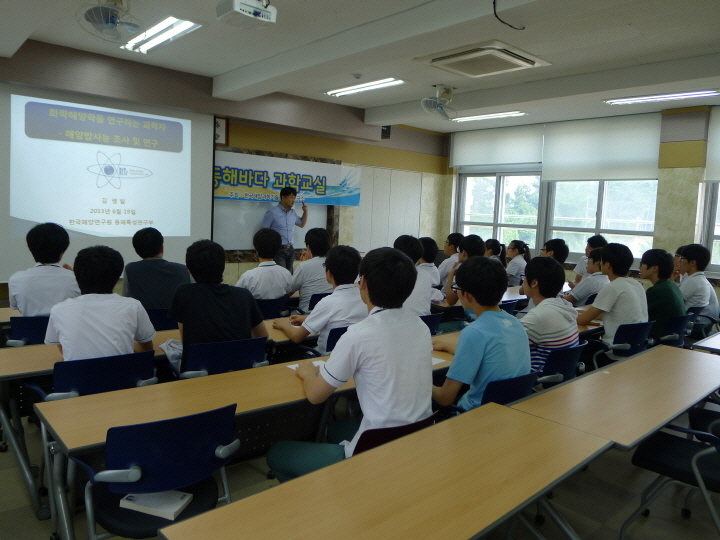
111 170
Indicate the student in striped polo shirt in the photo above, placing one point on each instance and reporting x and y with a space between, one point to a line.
552 323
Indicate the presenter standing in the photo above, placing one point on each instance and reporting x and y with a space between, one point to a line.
283 219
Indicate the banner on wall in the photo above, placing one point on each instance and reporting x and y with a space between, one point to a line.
248 177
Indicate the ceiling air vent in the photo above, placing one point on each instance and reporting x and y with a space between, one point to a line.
483 59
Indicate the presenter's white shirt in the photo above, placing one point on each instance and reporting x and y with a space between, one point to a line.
266 282
98 325
36 290
309 278
420 298
342 308
389 354
624 302
445 267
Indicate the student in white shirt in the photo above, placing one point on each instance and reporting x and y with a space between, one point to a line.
581 269
421 297
389 355
470 246
309 278
695 288
426 264
269 280
99 323
451 247
518 254
495 250
342 308
35 290
591 283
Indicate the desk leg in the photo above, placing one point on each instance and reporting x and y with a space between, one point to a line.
64 519
558 519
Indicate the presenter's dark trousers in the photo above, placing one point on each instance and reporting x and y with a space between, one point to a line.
286 257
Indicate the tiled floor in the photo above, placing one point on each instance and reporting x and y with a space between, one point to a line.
595 502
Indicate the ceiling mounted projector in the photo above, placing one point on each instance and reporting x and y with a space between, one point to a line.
246 13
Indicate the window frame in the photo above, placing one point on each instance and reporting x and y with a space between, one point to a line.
711 197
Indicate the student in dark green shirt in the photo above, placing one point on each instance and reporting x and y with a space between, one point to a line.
664 298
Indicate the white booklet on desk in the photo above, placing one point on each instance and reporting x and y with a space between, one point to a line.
165 504
318 363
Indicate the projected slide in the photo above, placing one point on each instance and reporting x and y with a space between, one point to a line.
99 171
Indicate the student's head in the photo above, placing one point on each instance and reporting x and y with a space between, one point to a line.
678 259
97 269
47 242
430 249
389 276
594 260
518 247
410 246
548 273
555 248
148 242
318 241
618 257
494 247
287 197
452 243
205 260
471 246
695 257
484 279
343 263
595 242
656 262
267 243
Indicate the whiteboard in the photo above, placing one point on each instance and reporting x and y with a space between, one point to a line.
236 222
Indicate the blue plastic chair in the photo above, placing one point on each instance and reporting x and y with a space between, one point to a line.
590 299
223 356
272 309
675 330
509 306
333 336
562 362
27 331
179 453
506 391
315 298
433 322
630 339
160 321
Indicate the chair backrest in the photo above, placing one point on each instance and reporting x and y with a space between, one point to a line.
272 309
433 322
375 437
159 319
31 330
694 311
171 453
591 299
506 391
225 356
635 335
563 361
315 298
107 374
509 306
333 336
674 332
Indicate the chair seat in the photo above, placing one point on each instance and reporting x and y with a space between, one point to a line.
671 456
700 419
133 524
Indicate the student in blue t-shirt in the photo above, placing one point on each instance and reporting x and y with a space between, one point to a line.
493 347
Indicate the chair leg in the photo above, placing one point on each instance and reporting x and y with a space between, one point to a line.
648 496
70 483
686 512
226 498
701 485
90 512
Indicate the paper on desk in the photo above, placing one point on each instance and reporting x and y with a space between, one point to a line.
437 361
316 362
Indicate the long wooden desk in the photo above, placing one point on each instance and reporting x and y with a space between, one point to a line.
6 313
711 344
627 401
457 479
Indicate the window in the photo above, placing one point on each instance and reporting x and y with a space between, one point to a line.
500 206
711 229
622 211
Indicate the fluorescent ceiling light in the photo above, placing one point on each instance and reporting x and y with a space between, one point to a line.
489 116
374 85
167 30
662 97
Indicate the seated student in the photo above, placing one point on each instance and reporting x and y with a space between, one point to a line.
309 278
430 251
389 354
209 310
153 280
35 290
470 246
552 323
677 276
269 280
451 247
555 248
421 296
493 347
518 255
99 323
695 288
495 250
581 270
664 299
342 308
622 301
591 283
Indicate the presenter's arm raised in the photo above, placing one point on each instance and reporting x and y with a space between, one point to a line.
304 217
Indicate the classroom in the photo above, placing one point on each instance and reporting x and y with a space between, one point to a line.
567 165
